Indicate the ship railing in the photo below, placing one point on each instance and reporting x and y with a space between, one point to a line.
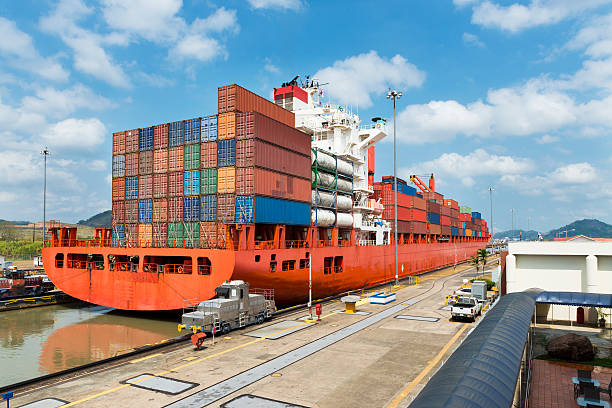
366 242
264 244
323 243
268 294
124 266
76 264
296 244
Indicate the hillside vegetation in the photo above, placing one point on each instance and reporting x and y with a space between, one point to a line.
589 227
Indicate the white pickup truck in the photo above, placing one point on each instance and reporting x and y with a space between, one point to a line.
466 307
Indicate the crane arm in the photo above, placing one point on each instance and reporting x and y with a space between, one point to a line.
419 183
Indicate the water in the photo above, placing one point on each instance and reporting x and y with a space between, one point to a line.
44 340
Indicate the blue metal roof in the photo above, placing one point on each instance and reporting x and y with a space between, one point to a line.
576 299
483 371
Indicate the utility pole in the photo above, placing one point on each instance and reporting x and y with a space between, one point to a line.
395 95
45 153
491 219
512 210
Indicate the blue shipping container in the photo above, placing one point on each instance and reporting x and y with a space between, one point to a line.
191 183
454 231
192 131
433 218
175 133
226 152
462 232
476 215
145 138
145 210
191 208
268 210
208 210
119 235
209 129
131 188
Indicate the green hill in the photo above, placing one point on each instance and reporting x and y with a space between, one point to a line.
590 228
102 220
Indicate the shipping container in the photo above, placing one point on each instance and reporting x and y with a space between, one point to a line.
131 164
160 136
192 131
234 98
208 208
145 162
257 181
476 215
175 235
145 210
208 155
454 231
191 208
226 126
404 214
451 203
191 157
191 234
175 184
191 184
433 218
258 153
445 230
118 189
118 212
226 180
131 141
210 234
145 186
160 161
445 211
175 133
175 158
435 229
209 129
226 152
131 188
267 210
252 125
387 196
145 235
437 197
131 235
131 212
433 207
160 235
175 209
454 213
445 220
160 210
465 217
226 208
465 210
208 181
160 185
118 169
118 235
145 138
118 143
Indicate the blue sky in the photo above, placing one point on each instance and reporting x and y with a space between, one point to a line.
514 95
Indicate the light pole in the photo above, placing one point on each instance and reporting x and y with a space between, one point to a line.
491 200
45 153
395 95
512 211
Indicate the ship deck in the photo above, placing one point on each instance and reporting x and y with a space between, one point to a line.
345 360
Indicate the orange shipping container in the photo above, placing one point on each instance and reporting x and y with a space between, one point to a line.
118 143
160 185
131 141
257 153
145 162
160 161
175 158
208 155
145 186
118 189
145 235
160 210
226 180
234 98
131 164
160 136
226 126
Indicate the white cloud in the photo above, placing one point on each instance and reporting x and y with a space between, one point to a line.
595 37
281 4
577 173
155 80
462 3
7 196
546 139
270 67
19 51
472 40
355 79
75 134
97 165
197 47
55 103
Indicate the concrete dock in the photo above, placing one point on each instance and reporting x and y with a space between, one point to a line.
380 357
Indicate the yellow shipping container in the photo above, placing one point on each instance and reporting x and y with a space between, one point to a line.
468 232
145 235
226 126
226 180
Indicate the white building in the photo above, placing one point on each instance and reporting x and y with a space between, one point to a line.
567 266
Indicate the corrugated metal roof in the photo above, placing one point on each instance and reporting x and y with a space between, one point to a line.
483 371
576 299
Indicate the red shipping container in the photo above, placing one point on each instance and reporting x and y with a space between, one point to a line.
160 136
131 164
131 235
160 161
405 214
256 181
160 235
439 198
175 184
160 185
445 221
175 209
118 189
387 197
418 227
433 207
131 211
445 211
175 158
131 141
451 203
465 217
234 98
454 213
210 234
445 230
118 212
118 143
145 162
252 125
145 186
208 155
435 229
258 153
226 208
160 210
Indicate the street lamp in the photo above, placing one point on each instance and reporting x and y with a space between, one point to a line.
491 199
395 95
45 153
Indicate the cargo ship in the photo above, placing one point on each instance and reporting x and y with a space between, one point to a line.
264 192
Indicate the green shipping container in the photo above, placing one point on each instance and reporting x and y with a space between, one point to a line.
465 210
191 158
208 181
175 235
191 234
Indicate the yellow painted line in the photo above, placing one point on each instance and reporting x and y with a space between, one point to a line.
189 358
145 358
406 391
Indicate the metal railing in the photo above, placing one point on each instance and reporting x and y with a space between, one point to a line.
78 264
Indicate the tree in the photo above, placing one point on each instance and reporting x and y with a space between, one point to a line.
482 256
7 231
475 260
